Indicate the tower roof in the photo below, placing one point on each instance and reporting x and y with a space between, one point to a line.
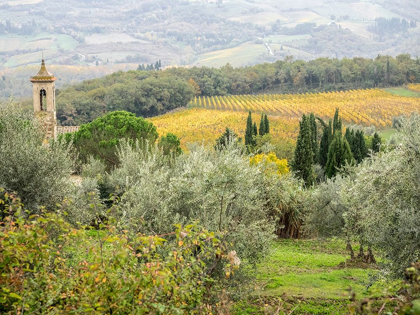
43 74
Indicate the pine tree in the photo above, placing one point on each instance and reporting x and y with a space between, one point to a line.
314 137
267 124
262 130
325 144
248 130
303 159
376 143
339 155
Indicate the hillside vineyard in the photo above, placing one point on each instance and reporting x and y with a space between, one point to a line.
365 107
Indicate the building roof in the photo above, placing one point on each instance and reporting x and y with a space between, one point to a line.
43 75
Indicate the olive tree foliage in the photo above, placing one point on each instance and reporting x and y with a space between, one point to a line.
384 199
38 172
219 188
325 211
377 203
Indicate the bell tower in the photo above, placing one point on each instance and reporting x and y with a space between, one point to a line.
43 87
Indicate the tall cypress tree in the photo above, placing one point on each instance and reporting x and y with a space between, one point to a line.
325 144
376 143
262 130
338 155
303 159
360 143
267 124
314 137
254 133
249 130
337 122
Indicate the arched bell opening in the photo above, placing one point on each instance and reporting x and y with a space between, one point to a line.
43 99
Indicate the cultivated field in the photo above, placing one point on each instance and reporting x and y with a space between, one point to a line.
205 125
365 107
207 117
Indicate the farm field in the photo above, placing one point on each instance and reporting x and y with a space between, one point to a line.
311 277
364 107
241 55
206 118
205 125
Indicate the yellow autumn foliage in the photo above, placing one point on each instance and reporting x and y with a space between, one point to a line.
414 87
271 159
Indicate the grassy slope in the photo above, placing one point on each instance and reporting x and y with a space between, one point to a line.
310 277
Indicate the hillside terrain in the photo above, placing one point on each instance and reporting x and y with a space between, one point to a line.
202 32
207 117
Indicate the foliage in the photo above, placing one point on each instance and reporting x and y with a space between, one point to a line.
228 138
314 136
325 143
303 160
138 92
170 144
383 200
280 166
47 266
101 137
339 155
217 187
376 143
376 203
249 131
37 171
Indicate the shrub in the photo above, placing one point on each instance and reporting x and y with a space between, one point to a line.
46 266
270 160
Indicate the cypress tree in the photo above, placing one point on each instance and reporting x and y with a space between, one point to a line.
262 130
337 122
303 159
325 144
254 133
376 143
360 143
314 137
338 155
267 124
248 130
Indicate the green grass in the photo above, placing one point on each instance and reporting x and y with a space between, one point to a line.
402 91
387 134
310 277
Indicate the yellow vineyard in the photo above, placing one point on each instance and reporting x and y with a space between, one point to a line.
207 117
414 87
204 125
364 107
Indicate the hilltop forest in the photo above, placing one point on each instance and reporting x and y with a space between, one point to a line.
151 93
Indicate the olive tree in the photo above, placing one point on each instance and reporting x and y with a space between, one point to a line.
37 171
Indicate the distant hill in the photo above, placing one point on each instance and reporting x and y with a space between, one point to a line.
202 32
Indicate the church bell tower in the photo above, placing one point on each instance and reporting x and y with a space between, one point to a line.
43 87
